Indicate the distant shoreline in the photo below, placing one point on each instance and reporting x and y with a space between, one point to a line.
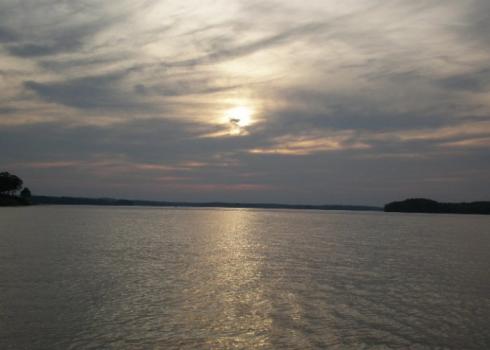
429 206
13 201
414 205
52 200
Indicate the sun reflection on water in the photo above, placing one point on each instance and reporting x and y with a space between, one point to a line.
233 300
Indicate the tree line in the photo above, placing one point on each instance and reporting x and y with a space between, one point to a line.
423 205
10 185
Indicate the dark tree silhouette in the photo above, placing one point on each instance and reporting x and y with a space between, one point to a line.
422 205
26 193
9 183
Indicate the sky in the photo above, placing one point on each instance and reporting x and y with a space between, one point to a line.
339 102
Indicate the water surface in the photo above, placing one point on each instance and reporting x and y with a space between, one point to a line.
150 278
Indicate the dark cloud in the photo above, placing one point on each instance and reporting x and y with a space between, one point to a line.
7 110
308 109
474 82
185 88
6 35
475 24
66 40
52 28
99 92
347 119
146 140
61 66
29 50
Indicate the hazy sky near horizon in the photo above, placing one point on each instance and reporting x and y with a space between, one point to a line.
350 102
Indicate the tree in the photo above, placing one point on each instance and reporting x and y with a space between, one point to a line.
26 193
9 183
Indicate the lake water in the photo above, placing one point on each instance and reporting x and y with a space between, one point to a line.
153 278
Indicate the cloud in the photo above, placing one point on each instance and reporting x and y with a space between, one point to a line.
6 35
53 28
474 82
475 23
7 110
227 53
99 92
28 50
312 143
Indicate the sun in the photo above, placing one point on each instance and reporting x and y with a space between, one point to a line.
240 116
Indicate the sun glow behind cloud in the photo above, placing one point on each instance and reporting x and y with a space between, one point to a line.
241 116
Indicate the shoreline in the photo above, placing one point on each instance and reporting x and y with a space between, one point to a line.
51 200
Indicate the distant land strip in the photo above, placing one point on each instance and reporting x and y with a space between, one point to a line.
423 205
127 202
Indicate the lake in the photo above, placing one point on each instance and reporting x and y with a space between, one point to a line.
86 277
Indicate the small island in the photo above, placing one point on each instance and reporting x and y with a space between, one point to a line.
10 185
423 205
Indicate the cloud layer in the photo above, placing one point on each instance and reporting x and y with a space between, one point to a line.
358 102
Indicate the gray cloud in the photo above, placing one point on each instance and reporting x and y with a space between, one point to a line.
227 53
85 93
7 110
475 82
28 50
52 27
6 35
475 23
